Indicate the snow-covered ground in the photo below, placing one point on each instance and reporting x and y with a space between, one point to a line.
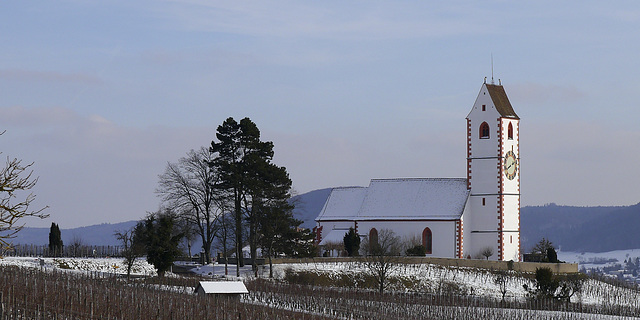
421 277
103 265
433 278
590 260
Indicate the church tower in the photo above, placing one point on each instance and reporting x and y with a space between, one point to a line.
493 175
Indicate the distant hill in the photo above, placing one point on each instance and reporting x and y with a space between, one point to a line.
307 208
98 235
309 205
581 229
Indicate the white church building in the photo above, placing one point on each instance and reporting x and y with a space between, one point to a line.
453 217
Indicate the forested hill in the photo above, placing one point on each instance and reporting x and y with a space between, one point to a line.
581 229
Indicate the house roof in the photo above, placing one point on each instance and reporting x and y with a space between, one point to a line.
399 199
501 101
224 287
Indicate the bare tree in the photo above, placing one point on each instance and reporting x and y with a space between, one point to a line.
487 252
188 229
75 246
502 279
132 249
15 199
188 187
226 237
382 256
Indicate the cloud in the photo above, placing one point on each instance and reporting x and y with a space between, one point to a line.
535 93
18 116
579 163
48 76
336 20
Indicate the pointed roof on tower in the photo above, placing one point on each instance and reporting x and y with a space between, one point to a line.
500 100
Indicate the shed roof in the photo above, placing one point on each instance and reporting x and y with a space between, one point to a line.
501 101
223 287
334 236
400 199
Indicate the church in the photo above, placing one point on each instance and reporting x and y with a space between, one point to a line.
452 217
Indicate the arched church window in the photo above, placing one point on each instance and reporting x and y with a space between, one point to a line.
427 240
484 131
510 132
373 240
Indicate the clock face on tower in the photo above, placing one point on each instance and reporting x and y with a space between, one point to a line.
510 165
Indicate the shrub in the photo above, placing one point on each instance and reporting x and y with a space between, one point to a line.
418 251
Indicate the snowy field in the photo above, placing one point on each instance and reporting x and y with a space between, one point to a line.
422 278
100 265
432 278
117 266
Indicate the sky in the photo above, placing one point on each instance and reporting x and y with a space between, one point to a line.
101 95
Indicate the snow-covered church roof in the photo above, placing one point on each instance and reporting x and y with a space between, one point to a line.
398 199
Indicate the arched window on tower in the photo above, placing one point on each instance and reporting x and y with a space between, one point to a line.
510 132
484 131
427 240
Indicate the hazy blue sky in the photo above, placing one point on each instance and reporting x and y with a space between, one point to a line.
102 94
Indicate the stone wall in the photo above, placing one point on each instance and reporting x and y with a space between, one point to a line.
468 263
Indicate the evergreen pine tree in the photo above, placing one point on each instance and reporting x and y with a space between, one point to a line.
552 256
241 157
160 240
351 242
55 240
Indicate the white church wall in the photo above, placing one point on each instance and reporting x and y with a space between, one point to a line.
489 114
466 227
511 246
483 176
511 220
479 241
483 217
443 233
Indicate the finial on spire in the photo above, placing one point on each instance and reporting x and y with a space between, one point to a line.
492 82
485 80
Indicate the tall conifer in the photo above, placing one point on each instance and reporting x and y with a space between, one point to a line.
55 240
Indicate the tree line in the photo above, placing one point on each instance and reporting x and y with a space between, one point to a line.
230 191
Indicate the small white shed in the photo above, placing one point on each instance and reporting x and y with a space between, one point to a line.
226 289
